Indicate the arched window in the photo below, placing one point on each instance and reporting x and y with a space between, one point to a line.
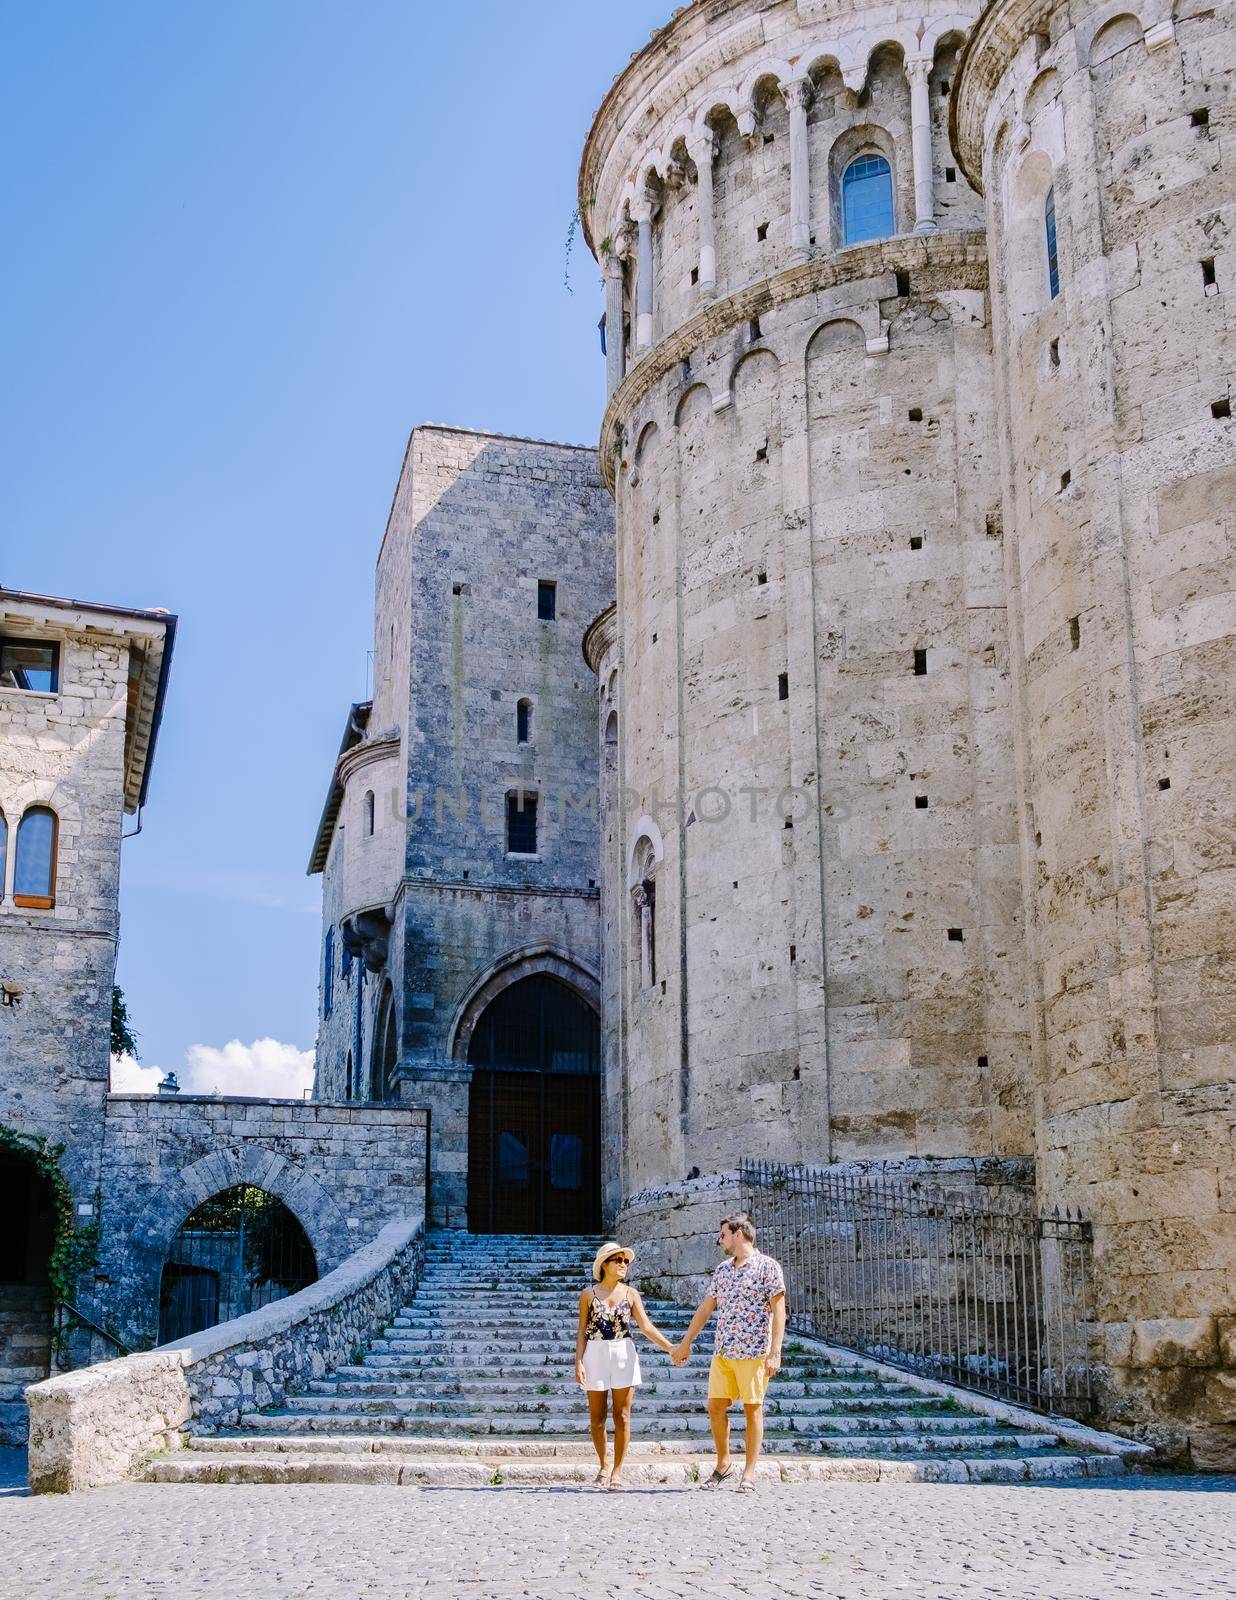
523 722
1049 228
644 906
34 873
611 728
369 812
347 1088
328 973
867 199
384 1055
4 852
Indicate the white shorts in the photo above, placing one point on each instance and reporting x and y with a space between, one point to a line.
611 1364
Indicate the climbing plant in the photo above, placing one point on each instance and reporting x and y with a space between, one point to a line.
73 1249
124 1040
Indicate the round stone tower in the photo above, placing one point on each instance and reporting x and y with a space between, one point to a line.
812 870
1101 137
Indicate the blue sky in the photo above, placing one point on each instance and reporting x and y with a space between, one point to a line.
249 246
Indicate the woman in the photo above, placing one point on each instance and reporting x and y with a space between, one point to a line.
605 1357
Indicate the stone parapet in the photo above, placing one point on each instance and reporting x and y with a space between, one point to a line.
98 1426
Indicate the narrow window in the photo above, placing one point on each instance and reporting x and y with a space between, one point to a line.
920 663
328 973
546 600
753 329
761 577
761 233
1066 478
950 174
762 453
943 86
29 664
1221 408
867 199
347 1088
903 285
523 722
1053 260
783 686
982 1063
521 823
369 813
1074 633
644 896
4 851
695 274
1053 352
34 874
1208 273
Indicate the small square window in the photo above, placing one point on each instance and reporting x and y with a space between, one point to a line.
31 664
761 577
916 413
1221 408
546 600
956 935
920 801
521 823
1201 117
982 1063
762 453
916 541
1165 783
943 85
769 137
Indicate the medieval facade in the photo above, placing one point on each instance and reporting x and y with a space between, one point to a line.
920 673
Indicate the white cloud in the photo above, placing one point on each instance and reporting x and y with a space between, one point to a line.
266 1068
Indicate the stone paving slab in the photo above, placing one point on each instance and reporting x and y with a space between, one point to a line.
1146 1539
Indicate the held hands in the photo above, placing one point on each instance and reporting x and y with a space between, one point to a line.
681 1353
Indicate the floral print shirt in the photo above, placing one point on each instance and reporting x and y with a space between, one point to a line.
744 1296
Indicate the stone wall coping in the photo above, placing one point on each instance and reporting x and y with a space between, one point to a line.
361 1268
353 1107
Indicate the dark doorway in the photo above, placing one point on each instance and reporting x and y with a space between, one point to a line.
26 1240
240 1250
534 1124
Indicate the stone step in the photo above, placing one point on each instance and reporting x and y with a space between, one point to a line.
834 1393
640 1471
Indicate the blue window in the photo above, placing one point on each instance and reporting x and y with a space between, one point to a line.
328 974
34 875
1049 225
867 199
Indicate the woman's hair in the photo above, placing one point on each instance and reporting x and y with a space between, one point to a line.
740 1222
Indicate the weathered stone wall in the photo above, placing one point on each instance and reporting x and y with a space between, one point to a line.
64 751
343 1171
477 521
1119 477
99 1426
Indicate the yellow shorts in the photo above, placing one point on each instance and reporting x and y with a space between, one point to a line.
732 1379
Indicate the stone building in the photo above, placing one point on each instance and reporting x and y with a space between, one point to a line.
458 843
916 708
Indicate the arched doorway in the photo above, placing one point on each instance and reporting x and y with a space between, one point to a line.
385 1051
534 1121
239 1250
26 1239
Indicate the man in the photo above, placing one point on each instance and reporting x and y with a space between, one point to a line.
748 1291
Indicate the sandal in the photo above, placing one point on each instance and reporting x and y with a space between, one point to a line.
615 1483
747 1486
601 1481
718 1478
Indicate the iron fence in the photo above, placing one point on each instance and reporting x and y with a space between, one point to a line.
969 1286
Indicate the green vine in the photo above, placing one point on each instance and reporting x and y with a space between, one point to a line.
572 230
74 1249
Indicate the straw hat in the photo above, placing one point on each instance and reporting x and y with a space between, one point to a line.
605 1252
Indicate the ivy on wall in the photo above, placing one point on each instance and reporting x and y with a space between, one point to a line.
74 1250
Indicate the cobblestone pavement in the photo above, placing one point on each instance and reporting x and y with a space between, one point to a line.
1149 1538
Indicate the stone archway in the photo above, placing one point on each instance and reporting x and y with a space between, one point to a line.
28 1207
234 1166
549 959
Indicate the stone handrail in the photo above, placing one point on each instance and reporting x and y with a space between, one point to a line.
99 1425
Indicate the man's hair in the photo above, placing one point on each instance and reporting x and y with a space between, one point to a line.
740 1222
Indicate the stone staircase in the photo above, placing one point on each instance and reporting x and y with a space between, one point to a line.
473 1383
25 1354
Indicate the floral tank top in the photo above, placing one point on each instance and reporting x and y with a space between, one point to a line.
608 1322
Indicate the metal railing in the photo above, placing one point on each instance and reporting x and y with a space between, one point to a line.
68 1317
971 1286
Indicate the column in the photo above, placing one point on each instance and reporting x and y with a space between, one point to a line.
641 215
917 70
798 94
703 152
615 354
